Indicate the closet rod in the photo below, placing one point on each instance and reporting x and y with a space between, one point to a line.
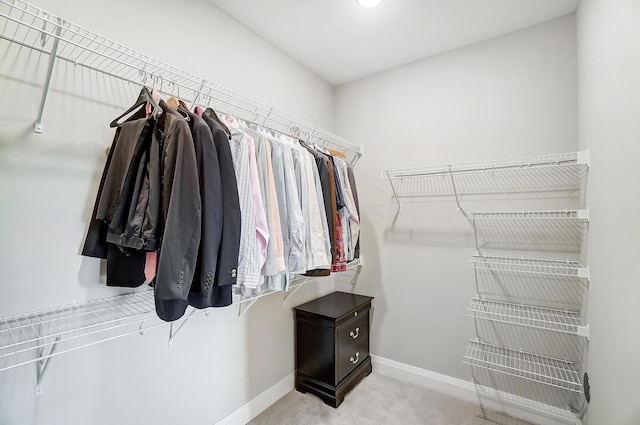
29 26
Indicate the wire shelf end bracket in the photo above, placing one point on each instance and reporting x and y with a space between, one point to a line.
583 158
43 365
37 127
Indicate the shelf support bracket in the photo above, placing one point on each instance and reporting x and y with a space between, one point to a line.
45 90
243 308
354 280
173 334
43 364
357 155
395 194
455 193
293 290
195 100
583 331
266 117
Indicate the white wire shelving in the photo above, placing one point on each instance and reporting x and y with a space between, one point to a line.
36 336
564 415
561 174
548 319
571 159
566 268
572 215
25 25
516 205
534 367
561 231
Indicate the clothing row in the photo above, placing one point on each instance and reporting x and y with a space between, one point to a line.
198 204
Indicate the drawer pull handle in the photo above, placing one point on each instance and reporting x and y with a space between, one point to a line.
354 361
354 335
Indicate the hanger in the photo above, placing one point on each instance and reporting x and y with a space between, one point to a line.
143 98
173 103
183 109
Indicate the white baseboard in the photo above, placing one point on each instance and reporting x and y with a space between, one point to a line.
445 384
259 404
518 407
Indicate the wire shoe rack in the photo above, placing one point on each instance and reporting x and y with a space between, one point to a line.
557 180
530 266
526 315
534 367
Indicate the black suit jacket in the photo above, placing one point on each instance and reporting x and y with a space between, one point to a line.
226 273
204 290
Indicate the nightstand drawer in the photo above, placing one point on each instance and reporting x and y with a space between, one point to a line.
355 330
353 344
351 357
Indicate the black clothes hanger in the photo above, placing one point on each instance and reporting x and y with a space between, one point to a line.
144 97
212 114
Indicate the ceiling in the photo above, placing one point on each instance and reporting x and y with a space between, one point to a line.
342 42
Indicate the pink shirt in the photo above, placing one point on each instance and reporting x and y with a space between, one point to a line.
262 230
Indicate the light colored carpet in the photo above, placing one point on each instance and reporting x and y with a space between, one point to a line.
380 400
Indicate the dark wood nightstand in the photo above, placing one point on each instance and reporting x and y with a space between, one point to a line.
332 345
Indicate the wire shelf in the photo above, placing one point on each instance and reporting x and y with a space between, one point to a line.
29 26
579 215
560 231
563 414
26 338
562 160
534 367
560 177
530 266
548 319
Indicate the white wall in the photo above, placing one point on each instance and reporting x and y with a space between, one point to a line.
609 93
48 184
512 96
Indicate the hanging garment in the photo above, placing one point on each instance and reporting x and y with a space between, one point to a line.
204 290
279 280
317 257
95 244
123 203
354 191
345 212
297 259
262 227
340 264
124 195
275 256
354 217
324 175
149 201
227 264
181 213
338 260
248 261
